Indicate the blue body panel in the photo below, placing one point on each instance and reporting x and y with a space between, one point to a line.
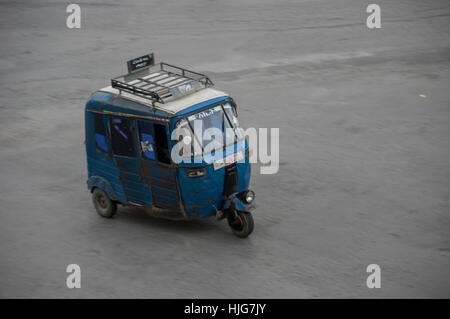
202 196
144 181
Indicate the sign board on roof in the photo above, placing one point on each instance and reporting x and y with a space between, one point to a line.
141 62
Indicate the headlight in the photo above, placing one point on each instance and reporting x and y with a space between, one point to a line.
249 196
196 172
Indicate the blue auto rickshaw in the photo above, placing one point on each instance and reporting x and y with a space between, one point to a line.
129 125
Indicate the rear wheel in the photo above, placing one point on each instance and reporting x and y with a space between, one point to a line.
104 206
241 223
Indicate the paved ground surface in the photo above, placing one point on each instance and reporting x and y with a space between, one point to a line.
364 161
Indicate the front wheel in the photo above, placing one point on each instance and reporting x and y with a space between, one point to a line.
241 223
104 206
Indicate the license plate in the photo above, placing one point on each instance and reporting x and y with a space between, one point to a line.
230 159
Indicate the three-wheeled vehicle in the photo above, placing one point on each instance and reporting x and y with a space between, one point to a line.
129 147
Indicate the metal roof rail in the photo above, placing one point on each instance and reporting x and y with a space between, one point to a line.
163 84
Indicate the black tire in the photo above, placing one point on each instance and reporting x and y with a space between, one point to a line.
242 225
104 206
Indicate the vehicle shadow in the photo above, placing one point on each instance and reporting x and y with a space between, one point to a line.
137 215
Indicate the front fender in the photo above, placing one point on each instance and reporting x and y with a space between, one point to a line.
234 202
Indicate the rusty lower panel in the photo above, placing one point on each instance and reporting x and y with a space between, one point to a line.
164 188
193 209
166 213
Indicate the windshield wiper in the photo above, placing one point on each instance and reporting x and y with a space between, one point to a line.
196 137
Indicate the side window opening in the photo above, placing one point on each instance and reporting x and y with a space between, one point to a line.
121 137
147 140
100 132
153 141
162 146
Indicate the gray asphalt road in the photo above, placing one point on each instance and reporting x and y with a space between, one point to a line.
364 160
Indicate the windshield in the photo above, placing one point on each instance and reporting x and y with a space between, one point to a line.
208 124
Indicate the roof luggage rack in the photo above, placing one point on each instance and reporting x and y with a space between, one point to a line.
163 84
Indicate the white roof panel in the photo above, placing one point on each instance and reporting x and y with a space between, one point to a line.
172 107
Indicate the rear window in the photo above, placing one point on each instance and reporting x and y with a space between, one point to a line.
121 138
100 133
